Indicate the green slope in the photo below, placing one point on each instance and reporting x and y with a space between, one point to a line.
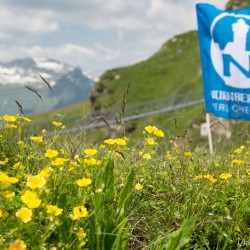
237 4
173 70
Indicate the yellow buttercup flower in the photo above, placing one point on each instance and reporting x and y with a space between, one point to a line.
10 195
110 141
92 161
35 181
120 141
225 176
6 180
4 161
80 212
17 245
149 129
10 126
90 151
58 161
9 118
154 130
81 234
57 124
37 138
3 213
145 155
168 155
150 141
54 210
188 154
236 162
138 187
17 165
210 178
30 199
83 182
25 214
159 133
50 153
46 172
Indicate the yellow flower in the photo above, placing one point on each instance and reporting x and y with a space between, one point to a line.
6 180
138 187
4 161
188 154
83 182
80 212
46 172
10 195
10 126
101 146
98 191
90 151
236 162
26 119
37 138
50 153
30 199
25 214
92 161
154 130
81 234
150 141
110 141
149 129
57 124
3 213
210 178
159 133
17 245
225 176
120 141
58 161
168 155
9 118
54 210
247 171
17 165
35 181
145 155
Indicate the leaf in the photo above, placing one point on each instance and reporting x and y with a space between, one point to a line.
122 238
124 197
177 239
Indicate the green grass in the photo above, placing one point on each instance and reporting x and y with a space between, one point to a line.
151 193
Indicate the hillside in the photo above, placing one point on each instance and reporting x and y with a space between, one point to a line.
237 4
173 70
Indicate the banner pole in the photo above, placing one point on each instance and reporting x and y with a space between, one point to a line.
210 143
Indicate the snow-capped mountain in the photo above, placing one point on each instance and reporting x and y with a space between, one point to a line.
70 85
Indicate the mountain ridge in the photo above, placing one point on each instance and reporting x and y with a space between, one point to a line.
16 75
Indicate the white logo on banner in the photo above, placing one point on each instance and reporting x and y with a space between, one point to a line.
233 62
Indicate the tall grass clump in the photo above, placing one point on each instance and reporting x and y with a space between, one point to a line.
155 194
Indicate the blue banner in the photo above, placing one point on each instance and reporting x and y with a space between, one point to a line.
224 38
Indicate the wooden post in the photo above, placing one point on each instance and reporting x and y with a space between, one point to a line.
209 134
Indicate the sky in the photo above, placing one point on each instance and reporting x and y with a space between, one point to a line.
95 35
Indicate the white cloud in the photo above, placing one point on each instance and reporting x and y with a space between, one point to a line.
14 21
72 54
140 26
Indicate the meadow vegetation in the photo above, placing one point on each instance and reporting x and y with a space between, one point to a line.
152 194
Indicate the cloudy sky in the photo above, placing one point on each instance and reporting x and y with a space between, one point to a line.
93 34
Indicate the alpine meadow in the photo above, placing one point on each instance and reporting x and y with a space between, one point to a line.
128 184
